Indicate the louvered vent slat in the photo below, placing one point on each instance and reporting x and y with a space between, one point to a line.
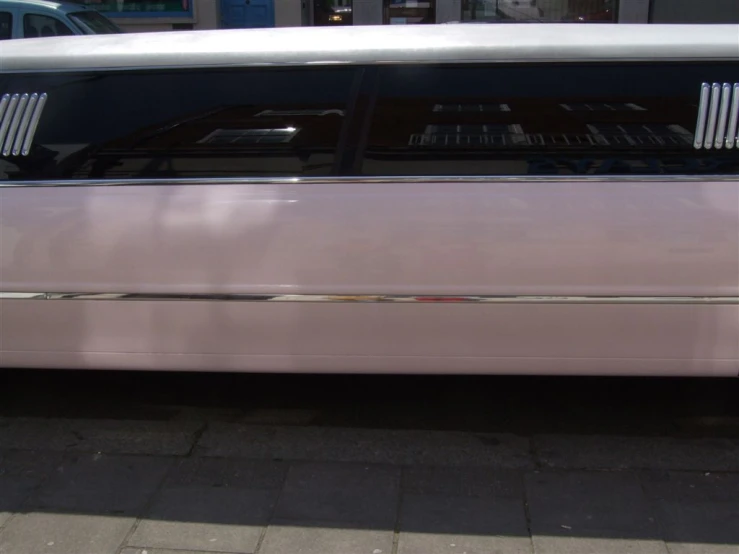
19 118
20 109
718 116
7 118
732 129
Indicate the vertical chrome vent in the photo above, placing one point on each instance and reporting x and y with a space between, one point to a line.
718 116
733 128
19 117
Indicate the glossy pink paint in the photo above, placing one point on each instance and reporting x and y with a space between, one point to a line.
558 237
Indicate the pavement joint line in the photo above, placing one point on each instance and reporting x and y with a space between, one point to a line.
654 510
180 550
398 511
271 517
534 452
145 508
196 436
526 508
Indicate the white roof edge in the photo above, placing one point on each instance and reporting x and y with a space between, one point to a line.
384 44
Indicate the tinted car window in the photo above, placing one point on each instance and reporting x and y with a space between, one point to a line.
555 119
6 25
44 26
240 123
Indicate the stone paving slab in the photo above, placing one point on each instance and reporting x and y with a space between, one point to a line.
173 438
442 524
698 512
228 473
591 512
50 533
206 519
612 452
21 472
322 444
469 481
341 493
285 537
213 505
99 484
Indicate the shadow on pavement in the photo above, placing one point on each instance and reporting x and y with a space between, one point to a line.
279 464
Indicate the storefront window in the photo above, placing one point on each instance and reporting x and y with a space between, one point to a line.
140 8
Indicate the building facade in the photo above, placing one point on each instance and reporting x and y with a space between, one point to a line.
158 15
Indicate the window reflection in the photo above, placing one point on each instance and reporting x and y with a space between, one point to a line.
541 119
187 124
576 11
6 25
405 12
332 12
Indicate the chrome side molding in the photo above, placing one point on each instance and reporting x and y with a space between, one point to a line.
19 117
371 298
366 180
718 116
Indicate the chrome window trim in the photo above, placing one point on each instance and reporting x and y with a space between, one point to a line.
372 298
352 180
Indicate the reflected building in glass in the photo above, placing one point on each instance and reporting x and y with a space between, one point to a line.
159 15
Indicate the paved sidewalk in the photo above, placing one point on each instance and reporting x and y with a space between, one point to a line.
175 487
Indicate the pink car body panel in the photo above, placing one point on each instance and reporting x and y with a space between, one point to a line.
505 237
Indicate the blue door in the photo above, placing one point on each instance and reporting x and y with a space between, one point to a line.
244 14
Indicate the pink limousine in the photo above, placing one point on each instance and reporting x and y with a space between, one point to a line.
540 199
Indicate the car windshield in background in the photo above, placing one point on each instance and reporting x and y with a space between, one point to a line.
92 23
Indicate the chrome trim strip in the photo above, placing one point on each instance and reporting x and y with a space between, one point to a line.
28 141
712 116
731 131
371 298
23 128
353 64
723 116
199 181
13 129
7 117
700 124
